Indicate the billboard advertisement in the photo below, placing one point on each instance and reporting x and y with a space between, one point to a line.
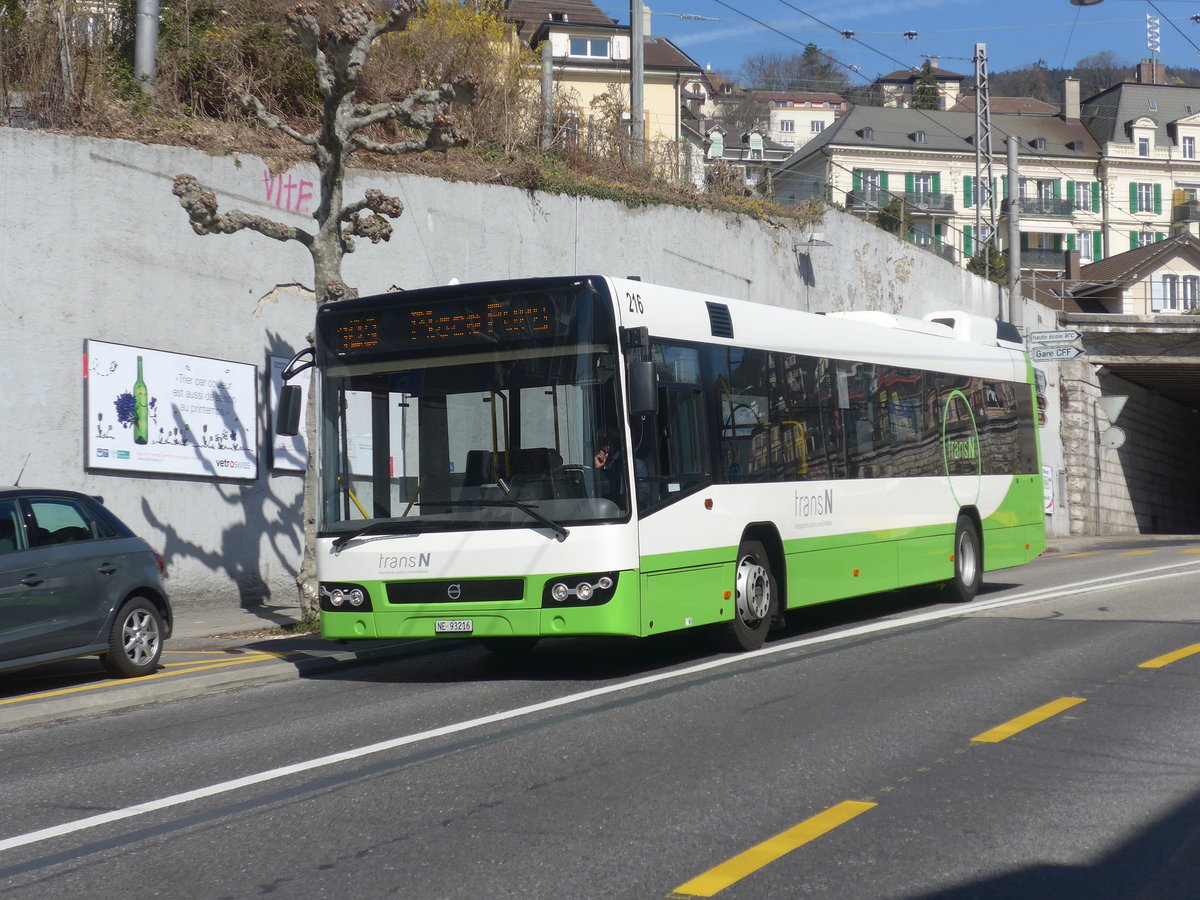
167 413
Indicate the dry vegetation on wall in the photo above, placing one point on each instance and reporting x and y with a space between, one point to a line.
67 65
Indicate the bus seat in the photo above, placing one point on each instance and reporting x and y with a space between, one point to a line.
479 468
535 462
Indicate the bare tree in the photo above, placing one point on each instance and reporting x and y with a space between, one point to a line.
338 54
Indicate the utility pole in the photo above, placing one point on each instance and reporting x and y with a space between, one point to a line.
985 194
637 79
547 95
145 44
1015 305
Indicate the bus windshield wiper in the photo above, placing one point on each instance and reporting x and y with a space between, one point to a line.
559 530
377 527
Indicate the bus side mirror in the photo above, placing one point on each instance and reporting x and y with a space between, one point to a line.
287 422
643 388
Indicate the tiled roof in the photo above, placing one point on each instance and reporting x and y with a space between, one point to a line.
794 97
904 76
532 13
949 132
1127 266
1017 106
1107 113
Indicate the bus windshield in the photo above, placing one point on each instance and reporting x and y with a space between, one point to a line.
483 412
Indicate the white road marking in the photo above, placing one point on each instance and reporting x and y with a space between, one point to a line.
321 762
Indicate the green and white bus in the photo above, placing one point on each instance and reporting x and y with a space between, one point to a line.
588 455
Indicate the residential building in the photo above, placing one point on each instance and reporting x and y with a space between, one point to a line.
591 54
796 117
896 88
751 152
1148 134
1115 172
1162 277
925 160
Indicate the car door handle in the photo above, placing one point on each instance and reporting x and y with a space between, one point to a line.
32 580
107 569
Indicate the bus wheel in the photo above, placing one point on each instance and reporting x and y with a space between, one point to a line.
509 646
755 598
968 563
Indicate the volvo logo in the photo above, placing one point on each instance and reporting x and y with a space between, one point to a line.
454 591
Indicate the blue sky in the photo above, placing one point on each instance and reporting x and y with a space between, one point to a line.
1017 32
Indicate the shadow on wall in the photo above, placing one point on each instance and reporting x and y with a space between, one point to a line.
239 555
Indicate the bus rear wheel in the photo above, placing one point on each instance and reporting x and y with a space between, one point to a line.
755 599
968 563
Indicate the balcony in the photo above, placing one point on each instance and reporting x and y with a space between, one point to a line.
916 202
1046 208
1188 211
1043 260
929 202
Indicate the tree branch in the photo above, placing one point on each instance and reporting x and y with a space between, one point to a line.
201 207
270 120
419 109
373 227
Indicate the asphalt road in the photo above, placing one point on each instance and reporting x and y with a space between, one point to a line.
1041 742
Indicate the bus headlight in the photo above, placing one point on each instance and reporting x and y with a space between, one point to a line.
580 590
334 597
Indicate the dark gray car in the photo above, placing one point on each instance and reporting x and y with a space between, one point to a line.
75 581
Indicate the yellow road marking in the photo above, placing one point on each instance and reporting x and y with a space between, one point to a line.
1138 552
45 695
1020 723
1167 658
1074 555
733 870
1192 550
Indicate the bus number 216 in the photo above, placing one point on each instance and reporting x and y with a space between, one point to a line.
635 303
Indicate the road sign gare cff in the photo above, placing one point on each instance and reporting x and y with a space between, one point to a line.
1040 354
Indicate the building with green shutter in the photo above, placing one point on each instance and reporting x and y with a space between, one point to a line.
1115 172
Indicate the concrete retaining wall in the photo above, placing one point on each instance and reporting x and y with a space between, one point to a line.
94 245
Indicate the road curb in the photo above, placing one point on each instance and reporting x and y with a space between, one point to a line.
162 687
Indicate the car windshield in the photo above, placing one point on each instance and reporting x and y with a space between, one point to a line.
503 435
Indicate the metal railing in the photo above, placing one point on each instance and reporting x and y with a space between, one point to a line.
1046 207
873 199
1188 211
1054 260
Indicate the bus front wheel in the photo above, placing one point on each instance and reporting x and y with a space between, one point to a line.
755 598
968 562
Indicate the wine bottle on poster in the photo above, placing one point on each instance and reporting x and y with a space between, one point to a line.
141 411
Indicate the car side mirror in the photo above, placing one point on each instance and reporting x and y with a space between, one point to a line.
287 422
643 388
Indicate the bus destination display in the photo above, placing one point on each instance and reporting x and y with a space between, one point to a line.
497 319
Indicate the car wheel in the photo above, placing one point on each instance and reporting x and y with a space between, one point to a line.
136 640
